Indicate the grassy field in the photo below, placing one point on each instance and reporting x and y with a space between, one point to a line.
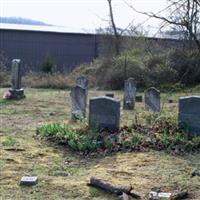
63 174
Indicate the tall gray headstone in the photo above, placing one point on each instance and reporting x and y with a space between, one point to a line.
16 90
152 100
129 94
78 102
189 114
82 81
104 113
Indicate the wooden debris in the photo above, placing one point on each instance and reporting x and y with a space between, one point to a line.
14 149
118 190
179 195
124 196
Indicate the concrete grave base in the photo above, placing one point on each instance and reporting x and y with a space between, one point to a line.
16 94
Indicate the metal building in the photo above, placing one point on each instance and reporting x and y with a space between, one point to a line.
67 50
33 43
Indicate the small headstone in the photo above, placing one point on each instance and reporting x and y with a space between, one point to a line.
29 180
110 95
78 102
152 100
129 94
138 98
189 114
16 92
104 113
82 81
159 195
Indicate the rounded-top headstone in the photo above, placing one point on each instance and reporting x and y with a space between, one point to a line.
189 114
104 113
152 100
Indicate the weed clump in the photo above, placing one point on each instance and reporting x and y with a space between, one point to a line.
163 134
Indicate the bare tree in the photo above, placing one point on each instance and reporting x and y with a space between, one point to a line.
182 13
116 34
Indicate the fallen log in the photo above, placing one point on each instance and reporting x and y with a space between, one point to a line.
118 190
179 195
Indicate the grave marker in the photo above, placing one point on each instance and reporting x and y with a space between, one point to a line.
82 81
129 94
109 95
152 100
104 113
189 114
78 102
16 92
29 180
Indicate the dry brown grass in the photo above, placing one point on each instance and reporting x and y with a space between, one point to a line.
4 77
30 156
46 80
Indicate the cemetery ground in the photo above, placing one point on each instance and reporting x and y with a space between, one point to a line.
63 173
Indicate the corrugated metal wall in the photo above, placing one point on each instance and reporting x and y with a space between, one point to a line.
70 49
66 49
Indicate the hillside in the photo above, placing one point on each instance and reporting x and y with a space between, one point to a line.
20 20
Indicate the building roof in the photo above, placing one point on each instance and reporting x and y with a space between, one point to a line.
36 28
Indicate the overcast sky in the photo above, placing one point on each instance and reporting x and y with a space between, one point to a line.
81 14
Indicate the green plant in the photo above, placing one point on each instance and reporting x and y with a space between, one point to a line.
136 139
50 129
47 64
163 134
9 141
94 192
196 142
186 63
165 140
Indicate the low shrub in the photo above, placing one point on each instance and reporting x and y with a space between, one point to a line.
161 69
163 134
47 65
186 64
4 76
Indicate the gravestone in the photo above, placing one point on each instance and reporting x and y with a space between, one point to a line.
82 81
189 114
29 180
78 102
138 98
152 100
129 94
16 92
109 95
104 113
